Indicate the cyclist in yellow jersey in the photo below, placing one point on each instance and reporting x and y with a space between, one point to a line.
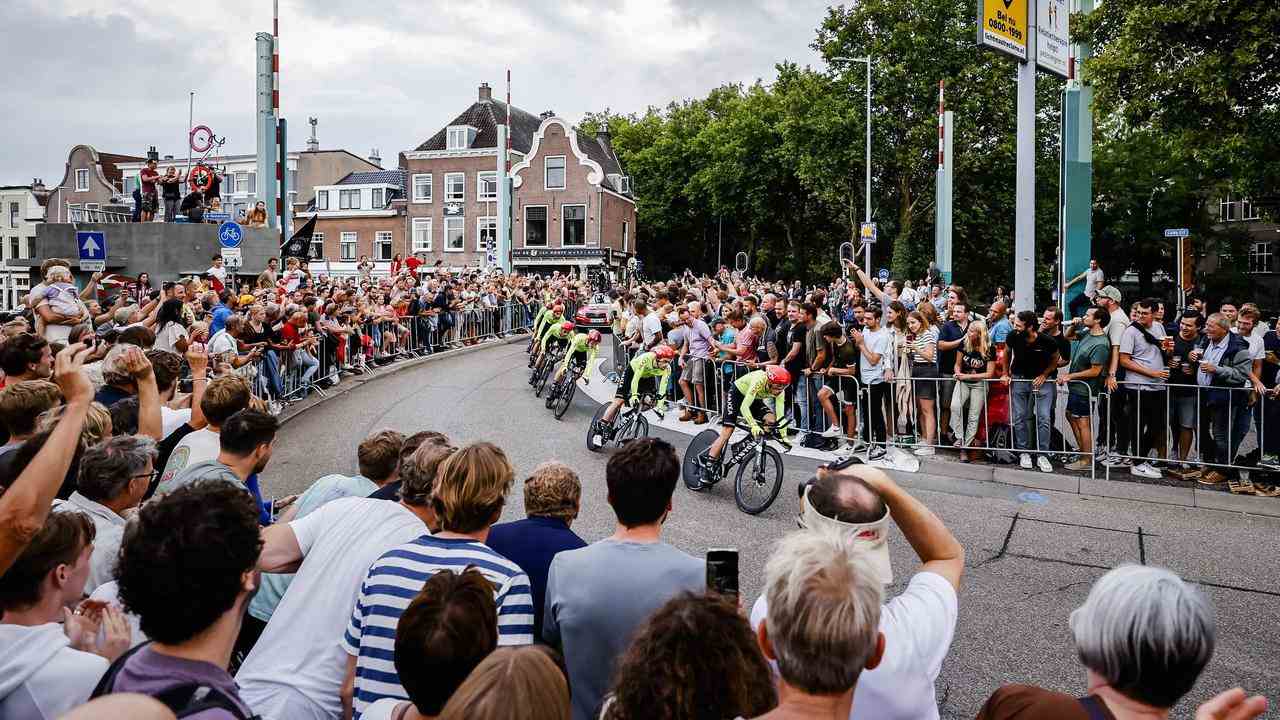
746 397
582 347
639 378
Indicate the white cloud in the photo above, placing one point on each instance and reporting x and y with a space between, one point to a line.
383 75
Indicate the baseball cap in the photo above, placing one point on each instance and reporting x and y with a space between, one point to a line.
1111 293
871 540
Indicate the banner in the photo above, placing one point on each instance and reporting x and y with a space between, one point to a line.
1002 25
1053 37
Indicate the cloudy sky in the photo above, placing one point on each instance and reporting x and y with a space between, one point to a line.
381 74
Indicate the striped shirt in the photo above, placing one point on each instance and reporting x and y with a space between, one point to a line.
396 578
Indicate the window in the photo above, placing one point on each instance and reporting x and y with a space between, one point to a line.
13 214
459 138
422 188
15 248
317 246
348 199
421 235
82 179
253 182
241 184
573 219
382 245
455 234
130 184
487 185
347 246
455 187
1261 259
293 179
1237 210
486 233
322 200
91 206
554 179
625 233
377 203
535 226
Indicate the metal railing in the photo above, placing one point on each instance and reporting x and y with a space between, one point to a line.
95 215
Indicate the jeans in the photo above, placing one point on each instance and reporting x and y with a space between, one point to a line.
269 370
807 387
879 394
967 401
1266 419
1230 422
171 209
309 365
1023 396
1147 410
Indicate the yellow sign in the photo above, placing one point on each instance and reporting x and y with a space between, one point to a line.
1002 25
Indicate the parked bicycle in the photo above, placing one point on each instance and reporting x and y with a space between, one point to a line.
759 477
561 394
629 424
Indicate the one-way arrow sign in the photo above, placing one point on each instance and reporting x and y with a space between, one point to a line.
93 250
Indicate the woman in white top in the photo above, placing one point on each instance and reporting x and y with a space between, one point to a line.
172 333
922 349
59 307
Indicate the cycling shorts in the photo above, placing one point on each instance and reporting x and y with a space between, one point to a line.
647 386
732 411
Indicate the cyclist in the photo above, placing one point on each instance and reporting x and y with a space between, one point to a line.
552 313
639 378
746 397
583 347
555 319
555 336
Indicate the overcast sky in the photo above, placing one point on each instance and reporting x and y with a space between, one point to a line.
382 74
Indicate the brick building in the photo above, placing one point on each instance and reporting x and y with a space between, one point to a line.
92 184
362 214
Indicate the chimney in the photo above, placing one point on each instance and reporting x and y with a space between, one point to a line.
602 137
313 144
152 154
37 186
375 158
486 92
547 113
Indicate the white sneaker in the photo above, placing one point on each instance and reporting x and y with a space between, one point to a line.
1145 470
833 431
1043 463
924 450
1025 461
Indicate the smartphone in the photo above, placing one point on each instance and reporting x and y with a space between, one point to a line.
843 463
722 571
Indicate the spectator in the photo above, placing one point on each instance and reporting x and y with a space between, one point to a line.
973 367
1224 367
468 497
211 526
245 444
391 490
1083 381
1182 394
512 684
147 178
822 629
221 310
171 192
1142 357
1033 358
448 629
217 277
21 404
1114 434
172 334
1143 636
302 341
128 373
297 667
875 344
919 624
47 668
122 705
998 321
114 477
193 206
922 351
257 217
951 336
1093 279
695 371
840 380
552 495
59 308
225 396
696 658
25 356
597 596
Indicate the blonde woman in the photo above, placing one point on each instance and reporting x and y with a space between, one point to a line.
899 369
975 365
922 350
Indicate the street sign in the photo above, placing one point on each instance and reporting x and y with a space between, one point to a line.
883 274
230 234
1002 26
1053 37
92 245
231 257
218 217
868 233
1177 232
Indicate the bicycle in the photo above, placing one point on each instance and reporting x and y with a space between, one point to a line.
629 424
759 478
561 394
546 368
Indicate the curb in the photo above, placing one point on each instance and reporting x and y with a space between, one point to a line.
351 383
957 476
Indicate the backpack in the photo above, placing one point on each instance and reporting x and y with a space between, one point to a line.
184 699
1000 445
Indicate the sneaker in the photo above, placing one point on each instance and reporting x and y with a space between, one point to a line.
876 452
1024 461
857 445
1145 470
1269 461
924 450
1115 461
833 431
1043 464
1081 465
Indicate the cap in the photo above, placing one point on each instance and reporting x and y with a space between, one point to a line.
246 299
871 540
1111 293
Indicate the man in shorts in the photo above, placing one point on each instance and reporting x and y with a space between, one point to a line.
1182 396
693 379
1084 378
840 381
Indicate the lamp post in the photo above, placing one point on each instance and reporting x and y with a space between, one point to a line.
866 60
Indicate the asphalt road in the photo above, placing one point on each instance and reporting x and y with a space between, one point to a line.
1014 603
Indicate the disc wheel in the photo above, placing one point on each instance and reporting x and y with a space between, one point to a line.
636 427
691 471
595 440
758 482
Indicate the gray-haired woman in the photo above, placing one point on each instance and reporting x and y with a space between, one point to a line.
1143 636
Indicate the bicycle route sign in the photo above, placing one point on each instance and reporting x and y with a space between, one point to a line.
230 234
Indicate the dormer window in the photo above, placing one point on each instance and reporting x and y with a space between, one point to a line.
459 137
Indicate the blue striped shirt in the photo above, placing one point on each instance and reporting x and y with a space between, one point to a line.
396 578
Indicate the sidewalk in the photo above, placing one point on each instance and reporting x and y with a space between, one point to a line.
1166 491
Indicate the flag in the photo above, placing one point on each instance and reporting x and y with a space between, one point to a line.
299 245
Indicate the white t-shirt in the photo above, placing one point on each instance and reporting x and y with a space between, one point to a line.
292 279
296 668
222 342
171 420
1092 282
196 447
1256 349
41 676
383 709
879 342
918 627
218 272
169 335
651 327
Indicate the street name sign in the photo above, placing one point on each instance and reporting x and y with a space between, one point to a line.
92 245
1177 232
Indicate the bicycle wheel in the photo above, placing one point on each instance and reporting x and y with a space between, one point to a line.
595 440
634 426
551 394
759 480
565 396
541 385
691 471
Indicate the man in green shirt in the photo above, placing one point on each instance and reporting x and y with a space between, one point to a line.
1087 362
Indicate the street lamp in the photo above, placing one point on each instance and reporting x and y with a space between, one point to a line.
866 60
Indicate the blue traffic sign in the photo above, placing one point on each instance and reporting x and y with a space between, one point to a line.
230 234
92 244
883 274
1177 232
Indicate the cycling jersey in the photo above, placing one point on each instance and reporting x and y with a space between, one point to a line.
646 365
755 385
544 316
553 332
553 321
579 344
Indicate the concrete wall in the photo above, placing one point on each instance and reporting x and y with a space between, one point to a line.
165 250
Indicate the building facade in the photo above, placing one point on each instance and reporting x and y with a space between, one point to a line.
23 212
92 187
361 215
